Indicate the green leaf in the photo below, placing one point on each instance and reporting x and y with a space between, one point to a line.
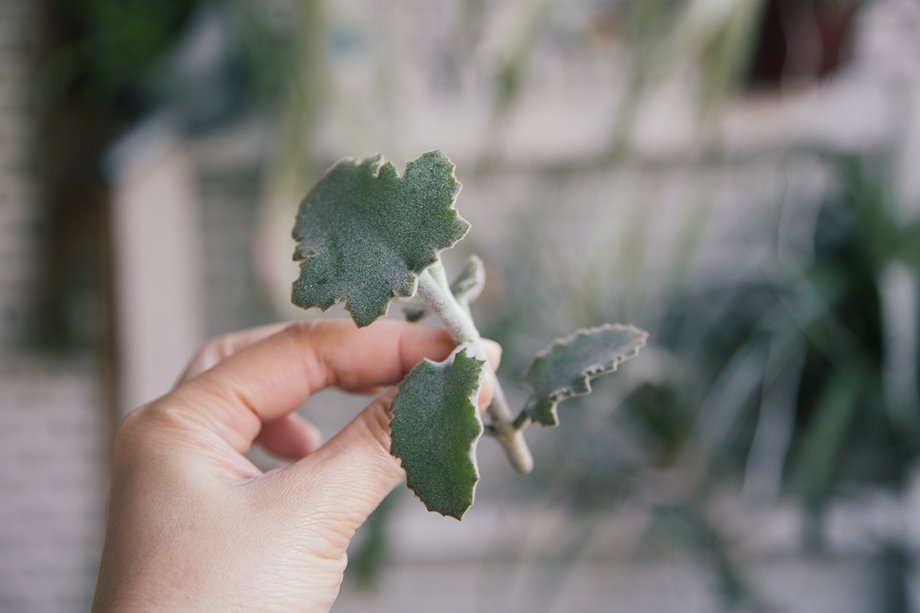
435 428
364 233
564 368
825 441
469 283
466 288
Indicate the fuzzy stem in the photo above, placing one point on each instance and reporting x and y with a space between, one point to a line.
434 288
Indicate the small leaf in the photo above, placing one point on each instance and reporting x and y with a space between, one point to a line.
435 428
466 288
564 368
364 233
469 283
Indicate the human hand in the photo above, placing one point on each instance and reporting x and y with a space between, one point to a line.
194 526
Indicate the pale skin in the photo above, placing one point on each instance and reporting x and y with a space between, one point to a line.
193 525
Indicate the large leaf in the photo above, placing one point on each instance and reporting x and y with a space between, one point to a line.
364 233
565 368
435 428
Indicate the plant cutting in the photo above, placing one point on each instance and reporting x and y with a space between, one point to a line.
367 236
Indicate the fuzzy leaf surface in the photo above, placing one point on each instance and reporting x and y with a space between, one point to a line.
435 428
565 368
364 233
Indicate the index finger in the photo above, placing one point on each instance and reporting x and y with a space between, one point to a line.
273 377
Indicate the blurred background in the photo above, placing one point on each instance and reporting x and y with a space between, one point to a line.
738 177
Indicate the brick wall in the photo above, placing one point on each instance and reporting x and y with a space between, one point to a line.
50 478
51 424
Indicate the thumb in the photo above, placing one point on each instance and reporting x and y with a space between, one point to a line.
349 476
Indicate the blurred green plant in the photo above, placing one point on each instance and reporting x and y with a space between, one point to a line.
858 397
715 39
101 51
800 383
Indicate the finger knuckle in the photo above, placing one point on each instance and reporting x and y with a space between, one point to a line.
377 419
299 331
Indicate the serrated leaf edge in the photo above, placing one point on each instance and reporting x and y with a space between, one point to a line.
471 455
376 163
593 371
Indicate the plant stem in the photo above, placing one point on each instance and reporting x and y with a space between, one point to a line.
434 288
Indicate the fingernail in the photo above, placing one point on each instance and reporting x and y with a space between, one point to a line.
485 395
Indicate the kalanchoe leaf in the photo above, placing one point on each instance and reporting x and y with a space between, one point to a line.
466 288
564 368
469 283
435 428
364 233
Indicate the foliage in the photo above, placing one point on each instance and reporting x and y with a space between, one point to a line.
365 236
859 383
799 381
565 368
107 48
435 428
